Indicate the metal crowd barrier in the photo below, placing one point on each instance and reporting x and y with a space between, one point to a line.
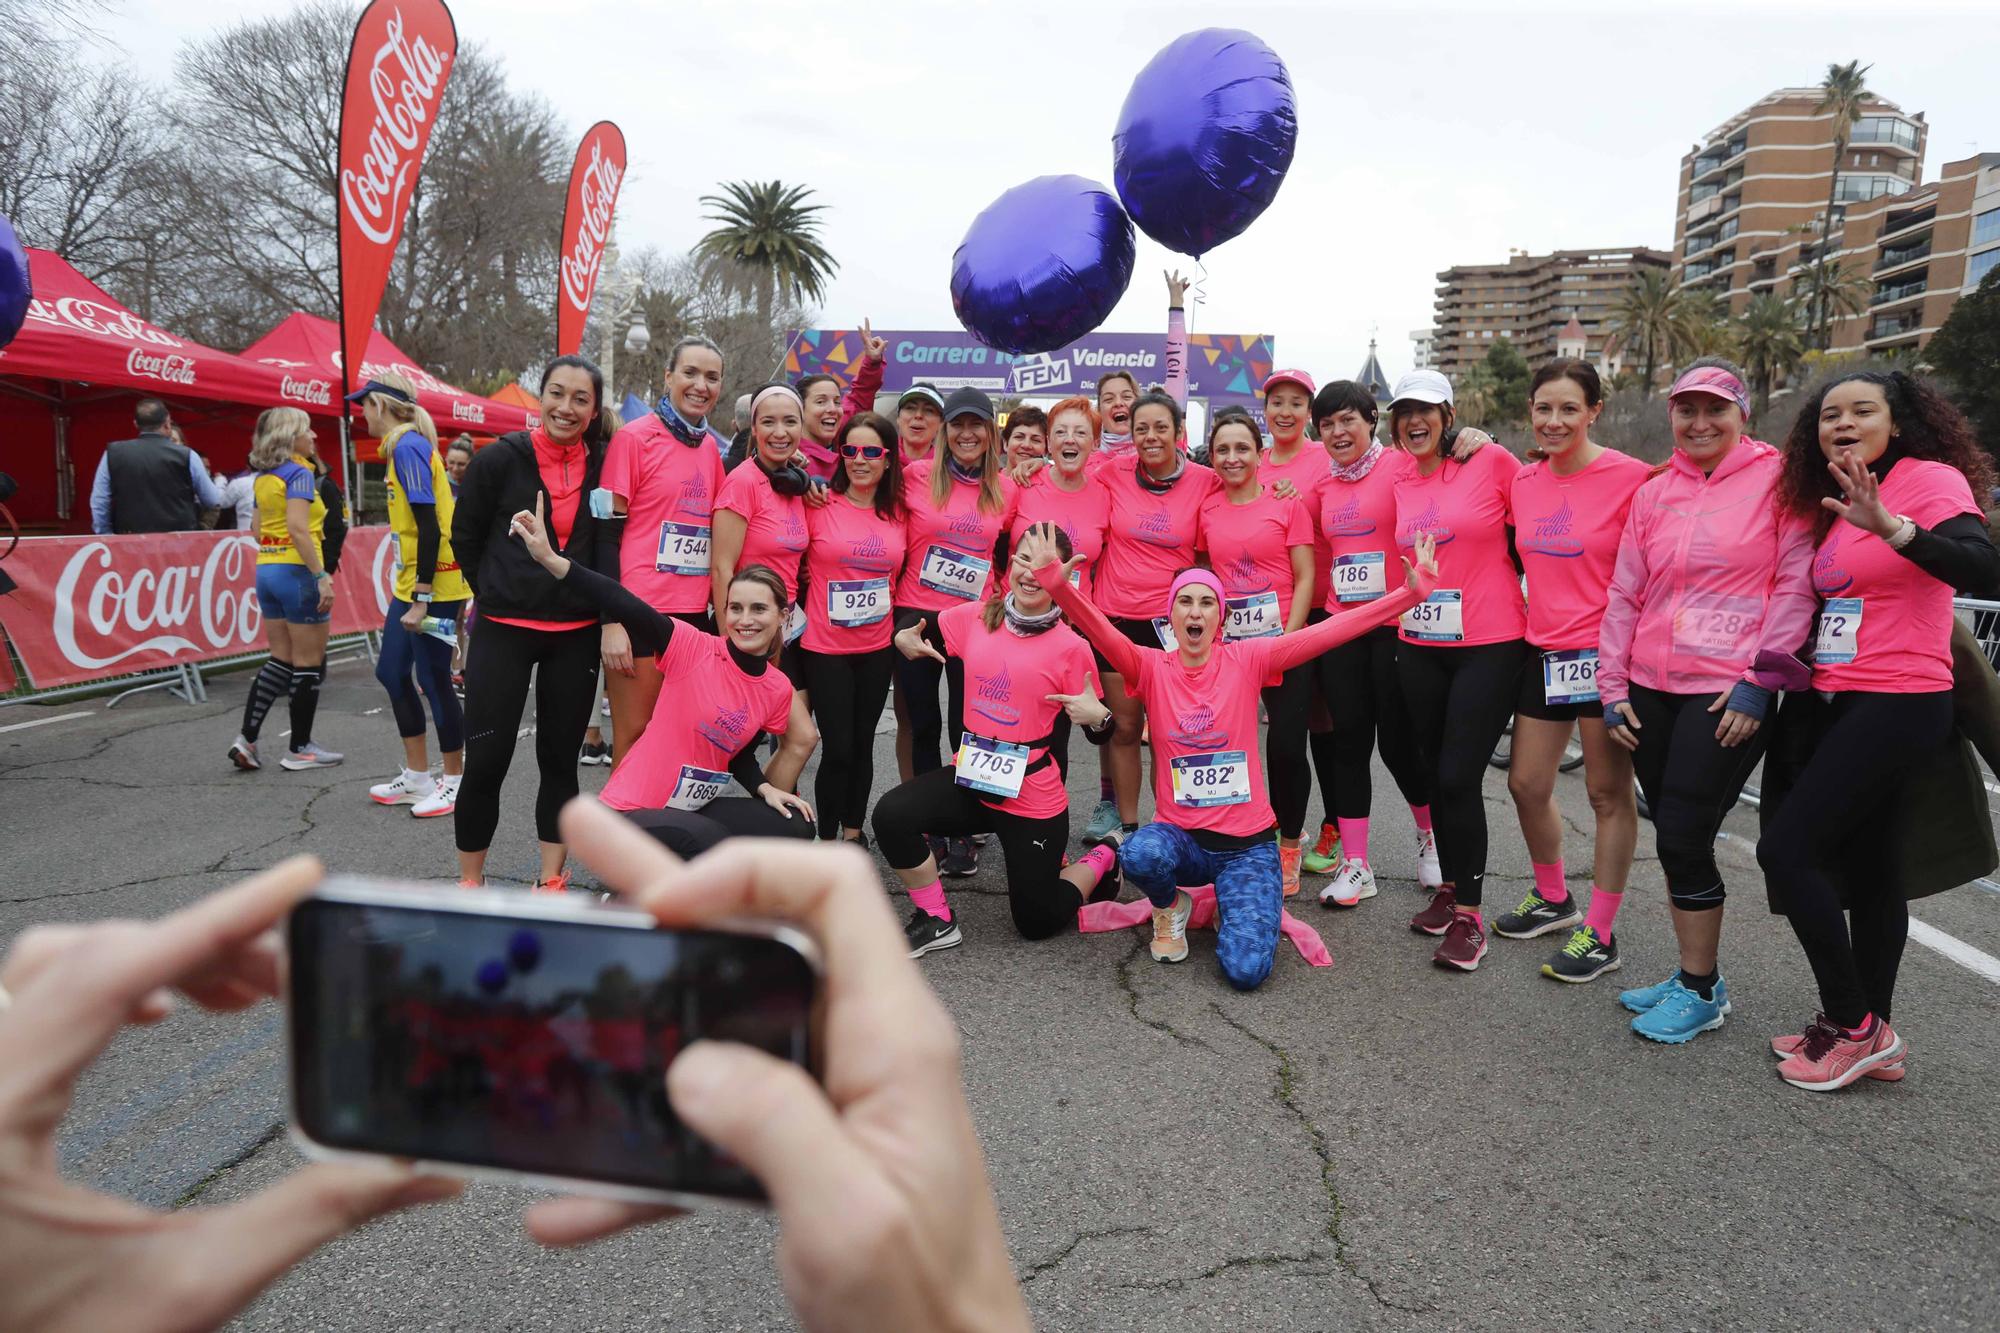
186 681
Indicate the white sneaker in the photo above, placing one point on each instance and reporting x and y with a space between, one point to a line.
314 755
442 800
406 788
243 754
1170 930
1429 874
1352 882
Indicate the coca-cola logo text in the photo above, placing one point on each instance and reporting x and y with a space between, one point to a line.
405 82
317 392
468 412
106 321
178 600
597 195
168 368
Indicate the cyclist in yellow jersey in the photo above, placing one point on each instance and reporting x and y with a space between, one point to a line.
421 628
294 589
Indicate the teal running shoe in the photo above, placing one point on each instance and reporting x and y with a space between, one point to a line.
1103 823
1682 1015
1644 998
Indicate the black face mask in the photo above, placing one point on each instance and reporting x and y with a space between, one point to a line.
790 480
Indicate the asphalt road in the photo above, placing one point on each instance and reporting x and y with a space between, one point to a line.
1380 1144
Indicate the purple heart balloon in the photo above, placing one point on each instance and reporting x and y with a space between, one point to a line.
14 285
1042 265
1204 139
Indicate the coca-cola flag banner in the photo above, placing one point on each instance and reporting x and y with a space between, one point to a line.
93 607
593 193
396 74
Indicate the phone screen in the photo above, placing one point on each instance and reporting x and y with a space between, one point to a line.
528 1044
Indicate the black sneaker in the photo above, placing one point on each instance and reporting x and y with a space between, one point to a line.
1537 916
939 849
1584 958
594 754
1107 888
927 933
960 860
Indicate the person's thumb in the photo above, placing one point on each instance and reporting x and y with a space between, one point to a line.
769 1115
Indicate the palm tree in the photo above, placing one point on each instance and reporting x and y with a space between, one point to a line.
1826 292
1648 321
1701 327
1842 92
768 241
1768 342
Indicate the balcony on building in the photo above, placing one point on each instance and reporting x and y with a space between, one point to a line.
1884 132
1904 254
1902 289
1717 156
1894 222
1894 326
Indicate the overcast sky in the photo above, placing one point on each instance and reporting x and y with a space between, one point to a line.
1428 136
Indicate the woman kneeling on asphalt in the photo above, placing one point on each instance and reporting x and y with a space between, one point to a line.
1886 471
1709 603
720 696
1214 822
1023 669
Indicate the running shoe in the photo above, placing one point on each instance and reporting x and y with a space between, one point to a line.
1464 943
1324 854
1437 918
1103 823
1170 930
937 848
406 788
1644 998
1682 1015
243 754
927 934
1288 868
1827 1059
1537 916
979 839
600 753
442 800
1891 1072
559 883
1351 883
1429 874
314 755
960 860
1584 958
604 708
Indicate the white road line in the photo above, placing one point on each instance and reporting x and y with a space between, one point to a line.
43 721
1973 960
370 712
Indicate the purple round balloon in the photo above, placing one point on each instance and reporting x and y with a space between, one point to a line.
1204 139
14 285
1042 265
492 976
524 950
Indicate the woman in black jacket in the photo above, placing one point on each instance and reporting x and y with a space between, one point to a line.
530 625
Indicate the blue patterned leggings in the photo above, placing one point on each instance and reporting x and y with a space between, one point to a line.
1249 893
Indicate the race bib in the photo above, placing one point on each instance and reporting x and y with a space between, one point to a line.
1212 779
795 623
1570 677
1839 631
997 768
1254 616
683 549
851 602
697 787
1714 626
1439 618
954 573
1360 578
1168 639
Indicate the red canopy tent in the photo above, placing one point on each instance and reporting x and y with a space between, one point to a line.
69 380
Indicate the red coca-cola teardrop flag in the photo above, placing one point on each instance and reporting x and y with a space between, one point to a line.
594 179
396 73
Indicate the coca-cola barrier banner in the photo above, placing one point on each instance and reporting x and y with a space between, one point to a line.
396 74
593 193
92 607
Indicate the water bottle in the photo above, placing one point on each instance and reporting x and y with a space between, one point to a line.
441 628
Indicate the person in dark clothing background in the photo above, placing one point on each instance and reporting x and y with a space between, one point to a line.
152 483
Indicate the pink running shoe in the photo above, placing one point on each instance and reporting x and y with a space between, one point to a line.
1892 1072
1437 917
1827 1059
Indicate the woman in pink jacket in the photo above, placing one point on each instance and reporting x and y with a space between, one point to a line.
1709 606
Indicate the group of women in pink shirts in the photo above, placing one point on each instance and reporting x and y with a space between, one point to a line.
1293 605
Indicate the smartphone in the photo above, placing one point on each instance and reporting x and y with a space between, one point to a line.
487 1032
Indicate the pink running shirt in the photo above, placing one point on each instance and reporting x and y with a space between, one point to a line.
670 490
1308 473
1466 507
708 711
1008 678
948 557
1250 548
1358 521
776 532
1152 537
854 559
1898 640
1084 514
1567 531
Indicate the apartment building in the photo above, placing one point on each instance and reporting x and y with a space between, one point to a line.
1423 344
1528 300
1920 252
1752 192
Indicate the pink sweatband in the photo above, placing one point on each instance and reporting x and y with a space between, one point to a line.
769 389
1205 577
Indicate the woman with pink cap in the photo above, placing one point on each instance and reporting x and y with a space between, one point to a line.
1708 608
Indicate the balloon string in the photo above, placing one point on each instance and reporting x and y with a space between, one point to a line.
1199 288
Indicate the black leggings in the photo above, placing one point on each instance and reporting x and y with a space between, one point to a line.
1691 783
1289 705
1364 693
917 687
847 692
403 653
497 668
689 833
1460 700
1043 902
1827 833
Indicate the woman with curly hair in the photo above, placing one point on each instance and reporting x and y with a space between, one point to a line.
1888 473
